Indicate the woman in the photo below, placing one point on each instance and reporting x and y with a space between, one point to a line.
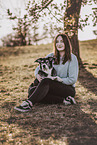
49 90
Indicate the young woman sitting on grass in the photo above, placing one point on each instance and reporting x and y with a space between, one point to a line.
56 91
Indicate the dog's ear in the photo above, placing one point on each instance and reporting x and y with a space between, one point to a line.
38 60
52 59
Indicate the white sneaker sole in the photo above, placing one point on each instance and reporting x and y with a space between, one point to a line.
21 109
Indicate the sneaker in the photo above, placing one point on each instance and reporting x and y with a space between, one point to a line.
69 100
66 102
24 107
72 100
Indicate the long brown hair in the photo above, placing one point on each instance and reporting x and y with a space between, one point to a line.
68 49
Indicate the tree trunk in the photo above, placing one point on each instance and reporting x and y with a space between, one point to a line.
75 48
71 20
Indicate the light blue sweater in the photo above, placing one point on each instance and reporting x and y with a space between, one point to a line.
68 72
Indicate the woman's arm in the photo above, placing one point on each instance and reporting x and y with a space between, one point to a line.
36 71
72 72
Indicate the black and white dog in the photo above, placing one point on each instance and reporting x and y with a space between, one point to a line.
46 68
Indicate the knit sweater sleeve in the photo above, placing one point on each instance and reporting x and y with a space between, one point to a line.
36 71
72 72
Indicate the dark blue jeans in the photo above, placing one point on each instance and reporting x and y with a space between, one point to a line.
50 91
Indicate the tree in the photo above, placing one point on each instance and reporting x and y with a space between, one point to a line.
35 34
69 13
12 11
22 28
11 40
25 25
71 28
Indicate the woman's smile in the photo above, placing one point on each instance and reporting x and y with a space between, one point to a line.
60 44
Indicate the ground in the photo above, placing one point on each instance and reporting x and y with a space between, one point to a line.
46 124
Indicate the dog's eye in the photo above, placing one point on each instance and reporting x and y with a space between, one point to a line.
42 61
47 62
51 59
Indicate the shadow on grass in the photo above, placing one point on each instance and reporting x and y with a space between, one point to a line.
54 121
57 121
88 80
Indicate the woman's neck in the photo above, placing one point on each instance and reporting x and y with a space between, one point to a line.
62 53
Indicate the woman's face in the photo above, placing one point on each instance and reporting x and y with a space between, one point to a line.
60 44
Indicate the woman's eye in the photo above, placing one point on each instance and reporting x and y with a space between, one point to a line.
59 41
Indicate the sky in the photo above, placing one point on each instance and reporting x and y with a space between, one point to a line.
6 25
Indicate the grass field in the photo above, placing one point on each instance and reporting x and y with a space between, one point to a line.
46 124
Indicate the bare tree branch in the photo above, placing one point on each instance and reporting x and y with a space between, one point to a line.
42 7
54 16
45 5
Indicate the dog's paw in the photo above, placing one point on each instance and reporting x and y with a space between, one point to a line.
58 79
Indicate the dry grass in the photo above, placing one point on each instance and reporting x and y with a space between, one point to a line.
46 124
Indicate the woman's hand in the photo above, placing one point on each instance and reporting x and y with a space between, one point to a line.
58 79
55 78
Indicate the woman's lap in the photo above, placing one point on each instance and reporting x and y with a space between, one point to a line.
57 91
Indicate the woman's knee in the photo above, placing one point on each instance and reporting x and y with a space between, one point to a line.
72 91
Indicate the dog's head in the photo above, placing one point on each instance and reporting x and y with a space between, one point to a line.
46 64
